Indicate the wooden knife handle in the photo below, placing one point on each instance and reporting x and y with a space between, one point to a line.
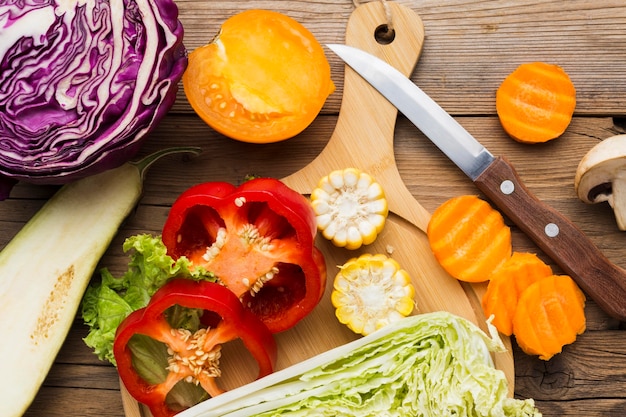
558 237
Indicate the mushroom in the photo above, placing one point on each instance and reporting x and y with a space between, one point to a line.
601 176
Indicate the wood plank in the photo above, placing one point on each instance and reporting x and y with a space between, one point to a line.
470 46
76 402
580 373
74 351
97 377
587 407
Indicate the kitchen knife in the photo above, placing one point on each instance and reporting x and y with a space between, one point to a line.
558 237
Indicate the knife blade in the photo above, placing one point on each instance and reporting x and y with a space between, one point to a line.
496 177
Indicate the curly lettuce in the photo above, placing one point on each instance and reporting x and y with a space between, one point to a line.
108 302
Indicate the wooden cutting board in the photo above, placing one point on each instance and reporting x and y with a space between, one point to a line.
363 138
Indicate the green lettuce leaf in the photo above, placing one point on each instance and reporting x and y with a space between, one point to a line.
108 302
434 364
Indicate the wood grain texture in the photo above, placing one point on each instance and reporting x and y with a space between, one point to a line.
470 46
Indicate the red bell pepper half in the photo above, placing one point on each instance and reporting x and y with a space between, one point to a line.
191 356
258 239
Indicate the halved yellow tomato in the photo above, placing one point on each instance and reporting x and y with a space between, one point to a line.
263 79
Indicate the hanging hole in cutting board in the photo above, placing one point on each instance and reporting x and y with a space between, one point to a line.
384 34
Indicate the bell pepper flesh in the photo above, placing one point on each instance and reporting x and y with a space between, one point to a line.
258 240
193 357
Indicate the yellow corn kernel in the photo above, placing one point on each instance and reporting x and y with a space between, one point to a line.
350 207
370 292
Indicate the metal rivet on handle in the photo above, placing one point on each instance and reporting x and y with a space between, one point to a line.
551 230
507 187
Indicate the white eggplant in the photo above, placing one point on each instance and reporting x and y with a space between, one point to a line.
45 269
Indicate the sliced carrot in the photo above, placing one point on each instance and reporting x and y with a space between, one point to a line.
549 315
535 103
469 238
507 284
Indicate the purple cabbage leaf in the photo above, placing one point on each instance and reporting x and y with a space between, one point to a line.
82 83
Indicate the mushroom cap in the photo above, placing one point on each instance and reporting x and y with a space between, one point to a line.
601 176
600 168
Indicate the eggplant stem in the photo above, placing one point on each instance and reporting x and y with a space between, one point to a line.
146 162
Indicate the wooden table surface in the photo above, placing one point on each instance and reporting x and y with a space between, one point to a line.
470 47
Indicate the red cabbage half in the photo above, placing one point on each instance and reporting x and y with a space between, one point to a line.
81 84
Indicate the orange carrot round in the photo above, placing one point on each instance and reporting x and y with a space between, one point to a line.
535 103
506 286
550 314
469 238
